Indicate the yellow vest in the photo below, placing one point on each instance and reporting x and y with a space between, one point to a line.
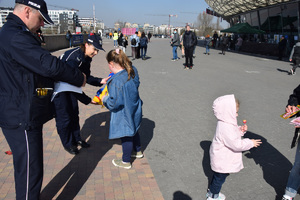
116 36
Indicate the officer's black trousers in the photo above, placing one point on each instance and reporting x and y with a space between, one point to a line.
27 149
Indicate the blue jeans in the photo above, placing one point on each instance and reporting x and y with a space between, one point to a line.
115 43
216 184
207 49
293 183
70 42
143 51
130 144
175 52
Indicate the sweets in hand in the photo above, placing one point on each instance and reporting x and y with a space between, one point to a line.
102 92
290 114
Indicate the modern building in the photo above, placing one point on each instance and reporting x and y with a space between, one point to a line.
272 16
3 14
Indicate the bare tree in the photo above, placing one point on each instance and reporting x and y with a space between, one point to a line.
204 22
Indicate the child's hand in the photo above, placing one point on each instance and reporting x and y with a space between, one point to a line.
105 94
256 143
104 80
94 102
244 128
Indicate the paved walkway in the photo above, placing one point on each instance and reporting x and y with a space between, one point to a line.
177 129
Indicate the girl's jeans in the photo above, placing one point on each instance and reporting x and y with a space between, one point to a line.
293 183
129 144
207 49
216 184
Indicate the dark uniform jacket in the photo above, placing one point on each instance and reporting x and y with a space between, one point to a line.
76 58
294 100
24 67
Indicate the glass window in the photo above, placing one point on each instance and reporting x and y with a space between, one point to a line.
254 19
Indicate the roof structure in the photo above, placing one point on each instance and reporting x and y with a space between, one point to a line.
228 8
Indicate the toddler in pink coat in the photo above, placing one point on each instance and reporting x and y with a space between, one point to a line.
227 145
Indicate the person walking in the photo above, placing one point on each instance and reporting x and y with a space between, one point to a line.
227 146
175 43
125 105
189 43
208 44
143 45
224 43
66 96
27 72
295 58
134 40
149 36
293 182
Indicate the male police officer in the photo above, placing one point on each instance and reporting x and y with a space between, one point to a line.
26 73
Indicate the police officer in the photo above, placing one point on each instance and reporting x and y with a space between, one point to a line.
27 72
66 96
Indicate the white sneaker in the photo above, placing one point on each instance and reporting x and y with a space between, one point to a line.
220 197
286 197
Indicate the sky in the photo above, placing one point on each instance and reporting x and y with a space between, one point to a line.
153 12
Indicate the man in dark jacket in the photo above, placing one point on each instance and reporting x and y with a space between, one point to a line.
27 72
281 47
294 177
189 43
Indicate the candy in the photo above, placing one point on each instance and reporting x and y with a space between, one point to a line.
244 121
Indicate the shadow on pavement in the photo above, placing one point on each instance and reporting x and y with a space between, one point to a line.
178 195
205 145
146 132
275 166
74 175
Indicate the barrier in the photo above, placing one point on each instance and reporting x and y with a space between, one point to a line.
57 42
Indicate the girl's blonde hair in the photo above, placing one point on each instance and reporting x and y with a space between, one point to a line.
119 57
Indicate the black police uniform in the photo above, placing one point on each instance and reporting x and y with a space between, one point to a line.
24 66
66 104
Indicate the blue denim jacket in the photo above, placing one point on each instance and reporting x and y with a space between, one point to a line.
125 105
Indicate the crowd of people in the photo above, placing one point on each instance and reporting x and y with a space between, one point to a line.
42 78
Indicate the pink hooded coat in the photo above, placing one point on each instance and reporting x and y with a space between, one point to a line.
227 145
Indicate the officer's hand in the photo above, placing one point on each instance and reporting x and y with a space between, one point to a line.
84 80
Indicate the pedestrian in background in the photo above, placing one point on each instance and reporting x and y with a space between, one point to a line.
27 72
115 38
125 105
134 40
189 43
281 47
149 36
69 37
66 96
239 43
143 45
208 44
175 42
227 145
293 182
224 44
295 58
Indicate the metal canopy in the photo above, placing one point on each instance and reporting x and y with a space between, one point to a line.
228 8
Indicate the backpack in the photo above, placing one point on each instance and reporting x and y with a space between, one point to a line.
143 42
133 41
296 54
